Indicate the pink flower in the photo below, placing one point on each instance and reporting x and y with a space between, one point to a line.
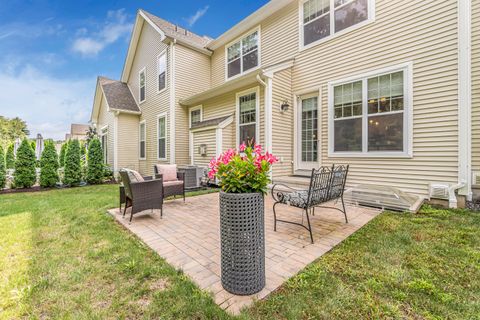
257 149
242 147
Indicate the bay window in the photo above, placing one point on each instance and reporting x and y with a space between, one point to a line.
243 55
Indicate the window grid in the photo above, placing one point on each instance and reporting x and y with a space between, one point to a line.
162 133
239 52
247 117
142 85
142 141
310 130
162 71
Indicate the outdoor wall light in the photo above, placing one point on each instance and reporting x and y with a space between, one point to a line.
284 106
202 150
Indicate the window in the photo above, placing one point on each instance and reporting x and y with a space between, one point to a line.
195 115
323 18
243 55
162 137
142 136
142 85
162 71
247 117
371 115
104 142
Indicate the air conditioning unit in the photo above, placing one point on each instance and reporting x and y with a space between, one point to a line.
476 177
440 191
193 174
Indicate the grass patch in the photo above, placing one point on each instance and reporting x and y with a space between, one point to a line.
62 257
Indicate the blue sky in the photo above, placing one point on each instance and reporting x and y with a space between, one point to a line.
52 51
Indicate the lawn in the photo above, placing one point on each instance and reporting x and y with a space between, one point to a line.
62 257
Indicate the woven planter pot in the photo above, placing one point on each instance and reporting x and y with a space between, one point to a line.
242 242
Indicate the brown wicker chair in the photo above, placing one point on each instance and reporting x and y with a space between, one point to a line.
141 196
172 185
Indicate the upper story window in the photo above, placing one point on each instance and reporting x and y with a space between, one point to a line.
324 18
195 115
162 71
243 55
142 85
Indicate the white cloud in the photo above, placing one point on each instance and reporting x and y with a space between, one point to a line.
200 13
115 28
49 105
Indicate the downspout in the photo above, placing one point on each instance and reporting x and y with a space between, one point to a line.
115 143
172 101
452 198
268 84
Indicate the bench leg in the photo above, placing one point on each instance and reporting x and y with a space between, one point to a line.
309 225
344 211
274 218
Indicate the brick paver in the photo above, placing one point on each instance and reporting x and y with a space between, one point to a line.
188 237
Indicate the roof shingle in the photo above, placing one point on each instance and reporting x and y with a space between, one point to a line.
118 95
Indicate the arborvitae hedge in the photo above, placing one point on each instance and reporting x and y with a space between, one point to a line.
73 173
95 166
10 157
25 172
3 173
49 166
63 151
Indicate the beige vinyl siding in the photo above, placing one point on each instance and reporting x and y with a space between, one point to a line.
282 123
192 76
418 31
228 137
149 47
476 85
207 137
106 118
128 141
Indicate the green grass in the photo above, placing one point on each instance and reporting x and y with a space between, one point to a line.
62 257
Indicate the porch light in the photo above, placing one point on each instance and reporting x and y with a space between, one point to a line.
284 106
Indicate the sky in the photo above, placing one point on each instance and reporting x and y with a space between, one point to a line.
51 52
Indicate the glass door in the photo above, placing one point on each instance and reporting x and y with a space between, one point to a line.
308 133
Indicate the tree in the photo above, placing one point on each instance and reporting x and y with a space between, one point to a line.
91 134
12 129
10 157
73 173
95 166
25 172
63 150
49 166
3 173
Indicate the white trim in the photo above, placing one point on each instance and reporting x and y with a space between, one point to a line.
144 70
333 34
259 53
219 141
268 114
144 122
303 95
222 125
407 152
465 96
255 90
190 134
163 53
199 107
101 135
270 71
162 115
152 24
172 102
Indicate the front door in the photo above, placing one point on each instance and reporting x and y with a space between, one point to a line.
308 139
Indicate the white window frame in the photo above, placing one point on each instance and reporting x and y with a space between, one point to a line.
163 53
200 107
144 122
407 152
257 29
160 116
370 19
143 70
103 134
255 90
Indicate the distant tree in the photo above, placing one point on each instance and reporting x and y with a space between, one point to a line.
12 129
91 134
10 157
95 166
73 174
49 166
25 172
63 151
3 172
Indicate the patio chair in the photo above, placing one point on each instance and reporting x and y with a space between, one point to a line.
326 184
173 180
141 195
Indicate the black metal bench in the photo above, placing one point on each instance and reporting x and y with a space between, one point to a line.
326 184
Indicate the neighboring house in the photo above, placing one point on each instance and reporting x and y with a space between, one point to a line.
390 87
77 131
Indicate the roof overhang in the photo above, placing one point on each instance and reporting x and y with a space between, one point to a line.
97 101
249 22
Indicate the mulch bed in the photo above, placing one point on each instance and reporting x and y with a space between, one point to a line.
474 205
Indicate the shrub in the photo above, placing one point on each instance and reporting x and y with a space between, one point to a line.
73 170
49 166
243 171
95 166
25 172
10 157
3 172
63 150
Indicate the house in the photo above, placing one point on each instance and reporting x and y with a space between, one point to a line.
77 131
390 87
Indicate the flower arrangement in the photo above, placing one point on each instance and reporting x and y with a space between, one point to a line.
245 170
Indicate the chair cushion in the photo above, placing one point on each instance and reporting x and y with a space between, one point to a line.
172 183
134 176
169 171
297 199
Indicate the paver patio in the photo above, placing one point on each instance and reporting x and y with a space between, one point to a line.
188 237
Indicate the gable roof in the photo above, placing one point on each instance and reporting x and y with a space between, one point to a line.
209 123
118 95
79 129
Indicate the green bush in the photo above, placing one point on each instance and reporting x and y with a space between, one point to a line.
10 157
25 172
3 173
73 169
95 166
49 166
63 151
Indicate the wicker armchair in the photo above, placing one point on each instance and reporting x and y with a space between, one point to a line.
173 180
326 184
141 196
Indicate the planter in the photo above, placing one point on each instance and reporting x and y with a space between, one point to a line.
242 242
